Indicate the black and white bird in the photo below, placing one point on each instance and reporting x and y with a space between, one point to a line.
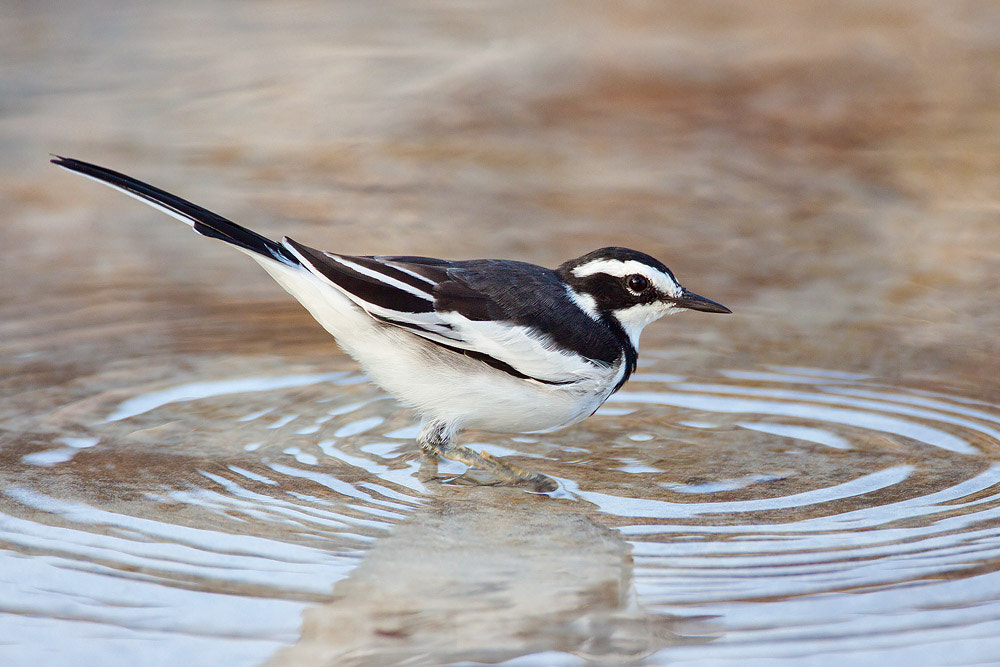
489 344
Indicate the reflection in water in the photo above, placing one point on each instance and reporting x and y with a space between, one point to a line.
802 405
485 576
653 509
101 581
889 553
757 513
195 390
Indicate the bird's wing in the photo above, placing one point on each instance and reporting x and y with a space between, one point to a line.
439 301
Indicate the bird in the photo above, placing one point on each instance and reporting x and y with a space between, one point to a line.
489 344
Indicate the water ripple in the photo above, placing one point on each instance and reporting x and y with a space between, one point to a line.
901 550
802 509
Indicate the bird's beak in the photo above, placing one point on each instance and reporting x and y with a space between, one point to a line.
695 302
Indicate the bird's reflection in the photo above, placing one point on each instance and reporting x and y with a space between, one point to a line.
490 575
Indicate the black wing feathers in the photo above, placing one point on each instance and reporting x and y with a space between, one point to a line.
482 290
365 287
529 296
456 296
373 264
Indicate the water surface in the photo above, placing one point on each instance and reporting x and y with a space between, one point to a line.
191 472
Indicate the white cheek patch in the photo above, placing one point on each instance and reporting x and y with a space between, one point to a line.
615 267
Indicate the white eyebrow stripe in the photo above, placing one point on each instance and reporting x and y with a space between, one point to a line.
618 268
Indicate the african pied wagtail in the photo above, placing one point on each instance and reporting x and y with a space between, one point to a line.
489 344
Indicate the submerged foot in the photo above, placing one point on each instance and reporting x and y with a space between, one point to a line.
508 473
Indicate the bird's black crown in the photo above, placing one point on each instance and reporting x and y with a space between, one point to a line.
618 253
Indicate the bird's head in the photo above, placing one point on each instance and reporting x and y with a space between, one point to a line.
629 286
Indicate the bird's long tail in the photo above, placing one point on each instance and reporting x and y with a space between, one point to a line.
201 220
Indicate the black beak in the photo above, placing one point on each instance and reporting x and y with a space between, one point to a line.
696 302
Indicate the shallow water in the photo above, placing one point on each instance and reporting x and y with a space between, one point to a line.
191 473
839 514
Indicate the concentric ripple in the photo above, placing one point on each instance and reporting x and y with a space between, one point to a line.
191 515
884 537
800 511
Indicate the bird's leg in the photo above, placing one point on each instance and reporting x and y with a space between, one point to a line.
436 441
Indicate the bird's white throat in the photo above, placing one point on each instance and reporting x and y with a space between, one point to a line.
635 318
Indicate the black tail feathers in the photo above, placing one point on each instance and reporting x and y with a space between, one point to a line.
202 220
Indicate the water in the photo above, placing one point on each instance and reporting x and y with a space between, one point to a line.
900 558
191 473
870 527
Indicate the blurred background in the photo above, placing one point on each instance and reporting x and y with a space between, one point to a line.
830 171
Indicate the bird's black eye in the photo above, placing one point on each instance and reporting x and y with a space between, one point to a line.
637 283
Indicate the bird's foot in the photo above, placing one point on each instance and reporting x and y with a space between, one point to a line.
506 473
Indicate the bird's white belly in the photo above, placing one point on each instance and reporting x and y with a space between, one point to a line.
439 383
467 393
